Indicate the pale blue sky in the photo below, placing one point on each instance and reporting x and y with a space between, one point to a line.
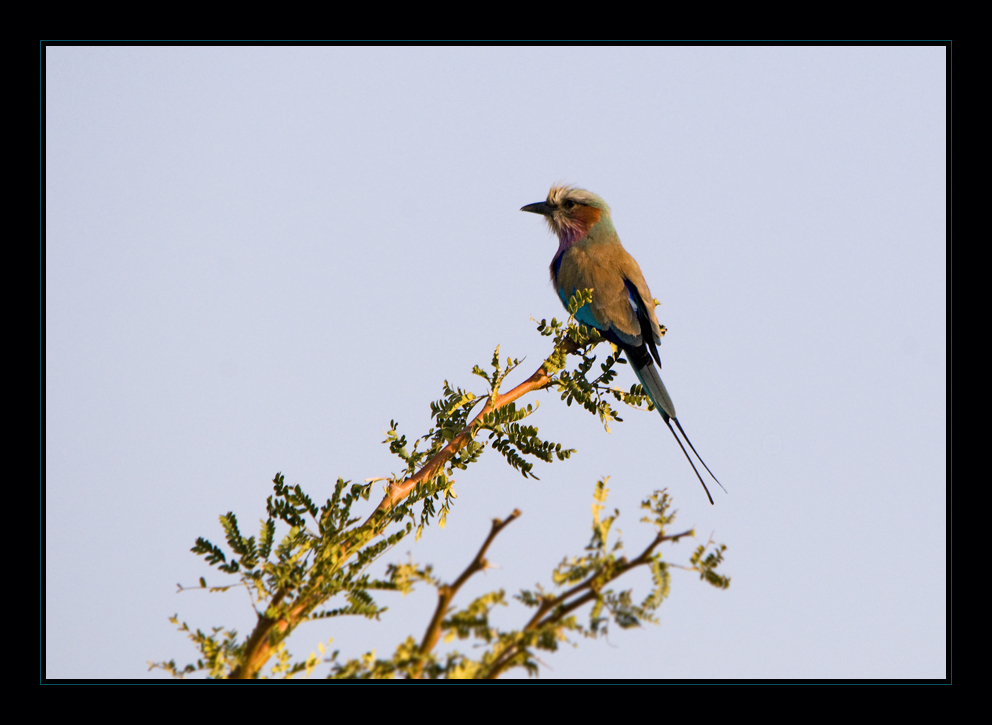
255 258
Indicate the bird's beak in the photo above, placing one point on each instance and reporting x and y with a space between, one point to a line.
540 207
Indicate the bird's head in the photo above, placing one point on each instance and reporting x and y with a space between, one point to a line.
570 212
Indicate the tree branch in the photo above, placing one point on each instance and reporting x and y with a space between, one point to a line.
398 491
258 648
447 592
560 609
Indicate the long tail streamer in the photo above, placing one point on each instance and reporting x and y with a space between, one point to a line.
651 380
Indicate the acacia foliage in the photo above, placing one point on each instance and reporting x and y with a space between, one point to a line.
320 566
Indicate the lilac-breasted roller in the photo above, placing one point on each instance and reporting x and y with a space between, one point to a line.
590 256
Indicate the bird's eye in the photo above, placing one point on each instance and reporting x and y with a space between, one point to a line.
569 204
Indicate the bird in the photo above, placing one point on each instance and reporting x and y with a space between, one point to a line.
590 256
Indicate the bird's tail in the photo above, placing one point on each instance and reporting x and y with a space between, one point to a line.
655 388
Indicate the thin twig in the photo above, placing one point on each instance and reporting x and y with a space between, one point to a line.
560 609
447 592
